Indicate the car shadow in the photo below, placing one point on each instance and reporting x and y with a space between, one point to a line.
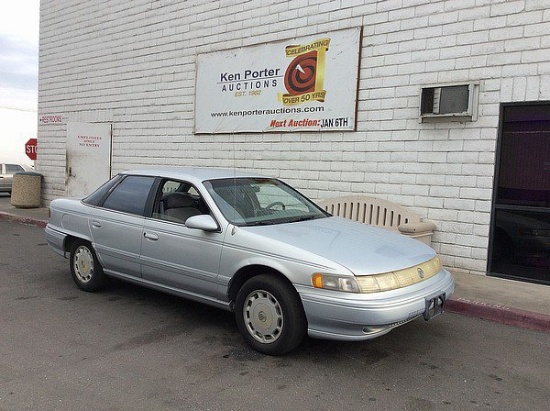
217 328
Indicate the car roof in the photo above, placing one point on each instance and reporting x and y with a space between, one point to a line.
193 173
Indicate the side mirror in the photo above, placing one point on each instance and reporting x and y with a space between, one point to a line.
203 222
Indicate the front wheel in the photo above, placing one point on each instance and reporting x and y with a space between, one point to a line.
85 267
269 315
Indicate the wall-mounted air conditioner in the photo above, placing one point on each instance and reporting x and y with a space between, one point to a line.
449 103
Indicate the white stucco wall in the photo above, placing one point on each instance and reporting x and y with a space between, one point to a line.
132 63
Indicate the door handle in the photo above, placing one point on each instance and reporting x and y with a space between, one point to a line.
96 224
151 236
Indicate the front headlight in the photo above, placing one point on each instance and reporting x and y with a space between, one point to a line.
375 283
401 278
334 282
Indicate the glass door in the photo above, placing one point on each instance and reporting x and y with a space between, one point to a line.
520 220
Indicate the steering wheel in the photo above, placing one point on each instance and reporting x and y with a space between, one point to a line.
276 203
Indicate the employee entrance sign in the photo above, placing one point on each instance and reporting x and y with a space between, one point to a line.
304 84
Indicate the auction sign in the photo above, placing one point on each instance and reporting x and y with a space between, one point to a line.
305 84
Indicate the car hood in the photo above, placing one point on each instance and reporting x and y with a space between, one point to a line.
361 248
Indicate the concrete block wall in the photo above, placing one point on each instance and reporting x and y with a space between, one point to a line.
132 63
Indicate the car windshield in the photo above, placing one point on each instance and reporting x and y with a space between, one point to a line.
261 201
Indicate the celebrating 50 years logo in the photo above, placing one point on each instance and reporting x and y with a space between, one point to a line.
305 74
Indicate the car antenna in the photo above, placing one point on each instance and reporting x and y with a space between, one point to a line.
234 230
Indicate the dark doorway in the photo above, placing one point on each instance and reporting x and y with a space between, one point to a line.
520 219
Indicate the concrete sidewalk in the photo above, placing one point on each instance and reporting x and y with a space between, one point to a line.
505 301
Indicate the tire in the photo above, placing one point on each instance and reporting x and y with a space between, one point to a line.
269 315
86 270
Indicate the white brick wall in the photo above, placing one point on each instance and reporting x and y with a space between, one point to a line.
132 63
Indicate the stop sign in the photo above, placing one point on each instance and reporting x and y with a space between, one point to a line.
30 148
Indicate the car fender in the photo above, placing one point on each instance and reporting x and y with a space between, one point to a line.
71 218
239 263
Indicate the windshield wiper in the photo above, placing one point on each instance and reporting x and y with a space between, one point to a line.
305 218
283 220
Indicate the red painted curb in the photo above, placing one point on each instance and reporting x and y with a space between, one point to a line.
499 313
22 220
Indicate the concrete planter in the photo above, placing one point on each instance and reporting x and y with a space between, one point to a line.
26 190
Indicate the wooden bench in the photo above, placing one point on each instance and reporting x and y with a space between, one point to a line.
380 213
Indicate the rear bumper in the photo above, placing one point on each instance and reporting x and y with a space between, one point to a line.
56 240
355 317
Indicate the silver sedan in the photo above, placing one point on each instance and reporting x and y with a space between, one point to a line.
7 171
253 245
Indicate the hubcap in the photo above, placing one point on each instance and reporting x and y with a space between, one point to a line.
83 264
263 316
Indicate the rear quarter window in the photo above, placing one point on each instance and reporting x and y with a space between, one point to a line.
98 195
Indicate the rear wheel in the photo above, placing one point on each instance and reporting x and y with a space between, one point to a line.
85 268
269 315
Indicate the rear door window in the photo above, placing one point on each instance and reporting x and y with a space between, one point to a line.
14 168
131 195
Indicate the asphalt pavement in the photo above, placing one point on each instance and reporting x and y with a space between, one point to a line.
505 301
129 348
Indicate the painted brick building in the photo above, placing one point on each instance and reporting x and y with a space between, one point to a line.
132 64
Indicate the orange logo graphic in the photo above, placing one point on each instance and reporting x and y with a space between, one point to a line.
305 74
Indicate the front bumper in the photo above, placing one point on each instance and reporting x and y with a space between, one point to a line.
355 317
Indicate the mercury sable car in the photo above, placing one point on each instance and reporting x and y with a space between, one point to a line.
252 245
